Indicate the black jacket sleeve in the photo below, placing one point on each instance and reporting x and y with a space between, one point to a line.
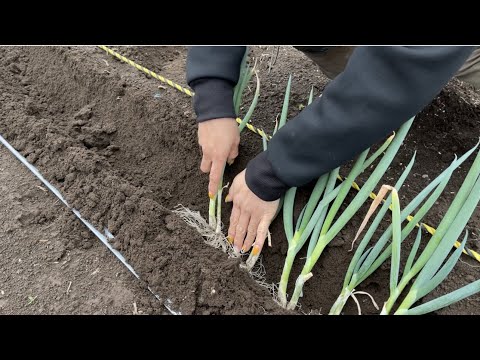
380 89
212 73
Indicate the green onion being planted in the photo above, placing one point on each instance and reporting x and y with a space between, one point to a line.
429 266
252 258
246 73
329 229
366 261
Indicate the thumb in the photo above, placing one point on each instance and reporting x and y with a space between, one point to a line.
232 154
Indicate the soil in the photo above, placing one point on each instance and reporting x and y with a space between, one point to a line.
122 149
50 263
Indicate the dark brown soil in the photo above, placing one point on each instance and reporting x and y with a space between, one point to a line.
50 263
122 149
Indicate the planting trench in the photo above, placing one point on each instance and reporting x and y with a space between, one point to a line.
122 149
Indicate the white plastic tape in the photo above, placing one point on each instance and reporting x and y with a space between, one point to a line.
97 233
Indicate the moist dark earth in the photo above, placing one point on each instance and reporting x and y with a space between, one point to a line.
122 148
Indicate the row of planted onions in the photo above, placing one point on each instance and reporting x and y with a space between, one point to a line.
321 220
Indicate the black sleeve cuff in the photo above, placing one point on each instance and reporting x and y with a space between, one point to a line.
261 179
213 99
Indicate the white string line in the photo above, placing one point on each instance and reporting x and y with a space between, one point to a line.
97 233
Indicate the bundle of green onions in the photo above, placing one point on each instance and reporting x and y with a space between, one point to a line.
429 266
365 262
317 221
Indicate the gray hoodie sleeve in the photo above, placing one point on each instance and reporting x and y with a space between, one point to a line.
380 89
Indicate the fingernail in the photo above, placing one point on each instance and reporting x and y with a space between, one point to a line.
211 196
255 250
227 198
244 249
230 162
230 239
235 249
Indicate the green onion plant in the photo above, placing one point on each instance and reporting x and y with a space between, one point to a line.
246 73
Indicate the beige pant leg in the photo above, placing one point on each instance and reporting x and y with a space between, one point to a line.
333 61
470 71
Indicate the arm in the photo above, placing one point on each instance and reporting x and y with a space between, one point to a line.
381 88
213 72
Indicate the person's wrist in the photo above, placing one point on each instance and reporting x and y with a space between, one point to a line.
262 180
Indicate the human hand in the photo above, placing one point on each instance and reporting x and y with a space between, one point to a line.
219 139
250 218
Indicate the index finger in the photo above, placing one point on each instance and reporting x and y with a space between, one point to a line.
216 173
262 232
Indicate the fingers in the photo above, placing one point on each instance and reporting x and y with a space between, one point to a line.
241 230
233 223
215 177
233 154
205 165
251 234
262 232
250 217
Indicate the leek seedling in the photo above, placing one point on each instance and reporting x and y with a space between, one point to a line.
365 262
443 301
252 258
305 215
329 228
429 264
315 211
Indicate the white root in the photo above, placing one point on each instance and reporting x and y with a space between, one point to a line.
352 295
313 312
258 273
370 296
253 265
211 237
